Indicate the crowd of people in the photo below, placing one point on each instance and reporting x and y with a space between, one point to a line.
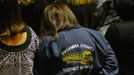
66 37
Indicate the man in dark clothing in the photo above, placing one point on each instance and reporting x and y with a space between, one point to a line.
121 36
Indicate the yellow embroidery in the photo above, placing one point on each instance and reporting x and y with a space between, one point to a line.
84 57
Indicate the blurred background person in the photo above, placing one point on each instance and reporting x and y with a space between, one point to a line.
105 15
121 36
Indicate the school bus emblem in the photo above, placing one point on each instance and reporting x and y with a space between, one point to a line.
84 57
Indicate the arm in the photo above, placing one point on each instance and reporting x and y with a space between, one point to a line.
113 36
42 62
109 65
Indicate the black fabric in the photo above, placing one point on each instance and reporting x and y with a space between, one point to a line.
32 13
125 9
84 13
31 16
121 38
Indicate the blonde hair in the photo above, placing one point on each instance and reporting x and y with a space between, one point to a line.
56 17
80 2
25 2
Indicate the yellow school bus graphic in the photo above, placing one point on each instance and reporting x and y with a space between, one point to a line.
84 57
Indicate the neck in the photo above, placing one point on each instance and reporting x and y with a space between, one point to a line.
16 40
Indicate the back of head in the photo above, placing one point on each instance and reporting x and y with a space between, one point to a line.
125 9
56 17
10 17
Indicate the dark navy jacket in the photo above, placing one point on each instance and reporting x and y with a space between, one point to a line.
78 51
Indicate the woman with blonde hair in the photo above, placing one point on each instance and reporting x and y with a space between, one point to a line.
67 48
18 42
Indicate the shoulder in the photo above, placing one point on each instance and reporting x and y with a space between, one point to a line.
125 25
122 28
94 32
46 40
32 36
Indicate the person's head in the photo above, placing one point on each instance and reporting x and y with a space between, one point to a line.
11 21
56 17
80 2
125 9
25 2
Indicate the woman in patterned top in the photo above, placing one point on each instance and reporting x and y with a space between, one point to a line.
18 42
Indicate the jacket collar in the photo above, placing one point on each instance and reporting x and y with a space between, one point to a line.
76 26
